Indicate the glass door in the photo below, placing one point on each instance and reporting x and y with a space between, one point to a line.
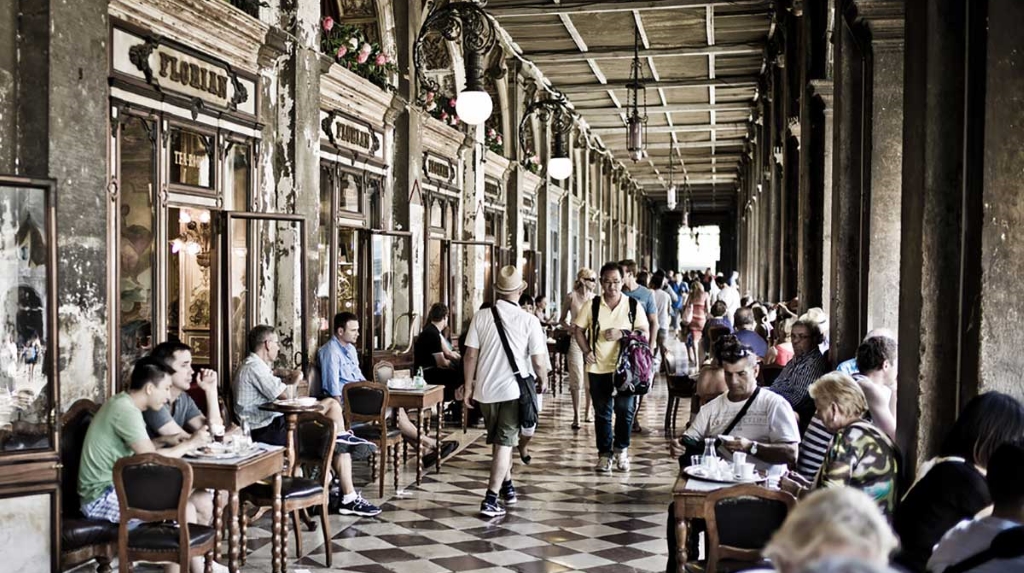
388 329
265 283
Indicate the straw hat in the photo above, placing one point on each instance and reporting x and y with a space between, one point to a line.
510 280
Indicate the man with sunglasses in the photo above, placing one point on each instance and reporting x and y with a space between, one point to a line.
757 421
598 338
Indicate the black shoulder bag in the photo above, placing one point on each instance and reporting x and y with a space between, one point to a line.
695 447
527 384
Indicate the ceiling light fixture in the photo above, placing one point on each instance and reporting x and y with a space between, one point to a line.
671 179
636 123
469 22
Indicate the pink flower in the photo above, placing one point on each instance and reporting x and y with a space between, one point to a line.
366 49
444 116
362 57
430 96
328 23
381 59
499 140
455 120
490 132
451 102
342 50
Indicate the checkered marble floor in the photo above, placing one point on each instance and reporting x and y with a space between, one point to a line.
569 518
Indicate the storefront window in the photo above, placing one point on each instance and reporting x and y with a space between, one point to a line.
238 292
391 303
236 179
350 193
323 283
348 271
191 158
135 246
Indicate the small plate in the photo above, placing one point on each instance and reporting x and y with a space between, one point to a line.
220 451
304 402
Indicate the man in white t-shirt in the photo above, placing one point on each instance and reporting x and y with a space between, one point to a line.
491 380
767 432
970 540
730 295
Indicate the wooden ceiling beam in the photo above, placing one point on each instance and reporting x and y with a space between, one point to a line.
678 128
536 8
670 108
749 82
563 56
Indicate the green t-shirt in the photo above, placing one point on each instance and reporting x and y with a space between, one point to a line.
117 424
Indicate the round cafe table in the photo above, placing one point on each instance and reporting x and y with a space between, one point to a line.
291 410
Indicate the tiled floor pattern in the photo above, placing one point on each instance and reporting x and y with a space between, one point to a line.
569 518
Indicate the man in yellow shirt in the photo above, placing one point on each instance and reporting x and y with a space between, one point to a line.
599 341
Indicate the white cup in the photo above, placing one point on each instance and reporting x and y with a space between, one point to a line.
746 471
738 459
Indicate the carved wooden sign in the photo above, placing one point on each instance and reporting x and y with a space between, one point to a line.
347 132
439 169
172 68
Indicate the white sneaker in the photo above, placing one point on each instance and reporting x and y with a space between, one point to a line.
604 464
622 462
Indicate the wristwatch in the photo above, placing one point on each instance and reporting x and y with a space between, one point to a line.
753 448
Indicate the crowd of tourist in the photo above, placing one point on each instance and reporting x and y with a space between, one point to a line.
831 434
828 434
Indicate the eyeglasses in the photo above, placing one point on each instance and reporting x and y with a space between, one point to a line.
611 283
590 279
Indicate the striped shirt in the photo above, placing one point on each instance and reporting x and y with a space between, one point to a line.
813 448
797 376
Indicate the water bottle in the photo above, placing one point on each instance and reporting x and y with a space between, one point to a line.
710 457
246 433
419 382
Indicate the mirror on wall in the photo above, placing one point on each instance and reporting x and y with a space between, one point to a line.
27 249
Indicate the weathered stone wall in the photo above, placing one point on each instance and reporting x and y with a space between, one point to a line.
8 87
77 136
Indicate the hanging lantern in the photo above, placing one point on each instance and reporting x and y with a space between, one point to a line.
636 122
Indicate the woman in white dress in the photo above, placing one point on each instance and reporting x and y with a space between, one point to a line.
582 293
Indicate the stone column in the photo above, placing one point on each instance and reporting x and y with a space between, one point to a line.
846 311
998 209
408 211
514 188
885 23
473 264
74 131
931 246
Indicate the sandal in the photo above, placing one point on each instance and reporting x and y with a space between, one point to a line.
575 425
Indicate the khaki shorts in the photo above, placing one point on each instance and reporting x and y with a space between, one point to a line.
502 422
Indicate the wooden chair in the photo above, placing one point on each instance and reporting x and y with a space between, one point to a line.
315 451
680 387
155 489
368 402
81 539
383 371
768 374
740 521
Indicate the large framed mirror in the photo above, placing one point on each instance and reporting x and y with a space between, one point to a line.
28 317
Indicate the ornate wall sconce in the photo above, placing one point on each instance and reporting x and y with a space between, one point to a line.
554 111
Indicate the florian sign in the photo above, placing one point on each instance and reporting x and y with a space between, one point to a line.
346 132
438 168
202 81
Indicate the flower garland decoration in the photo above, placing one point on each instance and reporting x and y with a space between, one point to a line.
441 109
349 47
494 141
533 164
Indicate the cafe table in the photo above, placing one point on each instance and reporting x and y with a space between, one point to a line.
232 475
420 399
291 409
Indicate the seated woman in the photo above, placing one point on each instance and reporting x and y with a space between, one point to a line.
861 455
832 523
952 487
782 352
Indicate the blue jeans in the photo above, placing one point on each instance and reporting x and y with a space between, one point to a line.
624 406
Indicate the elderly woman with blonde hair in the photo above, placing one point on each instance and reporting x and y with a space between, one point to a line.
860 454
582 292
831 523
